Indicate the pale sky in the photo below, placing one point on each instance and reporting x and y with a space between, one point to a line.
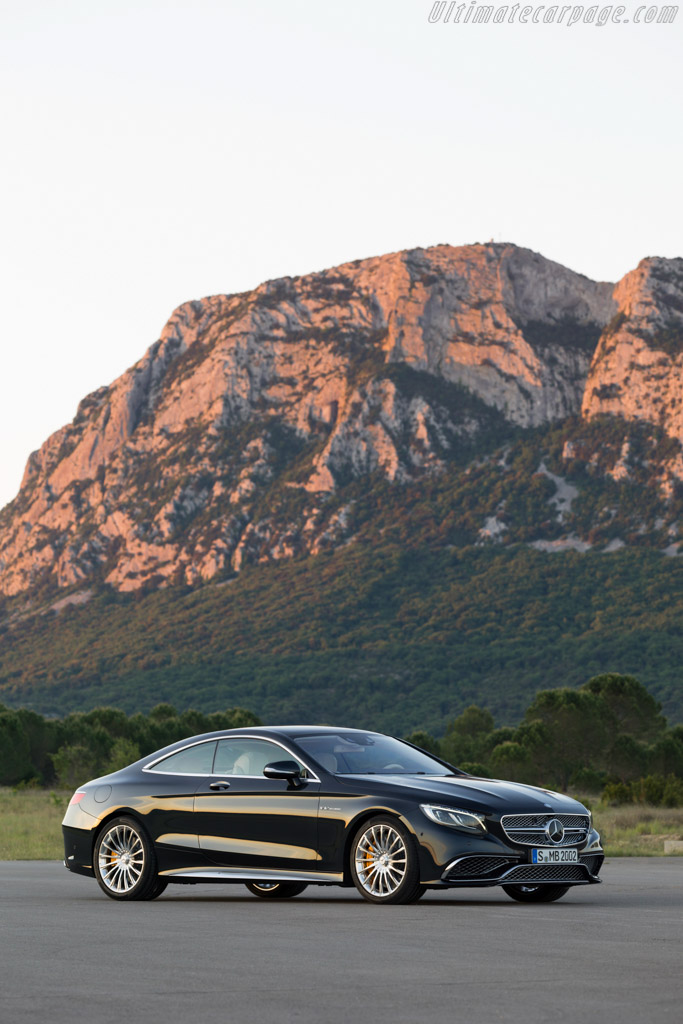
164 150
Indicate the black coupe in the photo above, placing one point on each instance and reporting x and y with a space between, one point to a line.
280 808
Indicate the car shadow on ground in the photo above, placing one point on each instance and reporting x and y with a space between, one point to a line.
426 903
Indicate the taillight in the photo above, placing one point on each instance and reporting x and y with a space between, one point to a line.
77 797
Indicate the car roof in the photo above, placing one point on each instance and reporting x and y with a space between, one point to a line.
291 732
309 730
283 730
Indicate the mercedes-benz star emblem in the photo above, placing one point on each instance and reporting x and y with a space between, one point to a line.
554 831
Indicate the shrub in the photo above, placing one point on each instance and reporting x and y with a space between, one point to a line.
617 793
673 792
657 790
651 790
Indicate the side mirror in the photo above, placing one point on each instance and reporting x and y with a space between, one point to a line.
288 770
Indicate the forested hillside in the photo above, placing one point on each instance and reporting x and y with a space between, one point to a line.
397 637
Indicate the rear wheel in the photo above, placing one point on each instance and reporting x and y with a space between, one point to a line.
125 862
276 890
536 893
384 864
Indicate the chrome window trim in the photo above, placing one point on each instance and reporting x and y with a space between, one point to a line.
149 767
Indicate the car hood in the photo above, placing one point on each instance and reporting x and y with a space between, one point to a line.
494 796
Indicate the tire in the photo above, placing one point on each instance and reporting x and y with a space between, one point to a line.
159 887
276 890
125 862
384 862
536 893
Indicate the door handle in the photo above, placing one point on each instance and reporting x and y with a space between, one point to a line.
219 785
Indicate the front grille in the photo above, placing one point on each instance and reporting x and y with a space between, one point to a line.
529 829
477 867
541 820
547 873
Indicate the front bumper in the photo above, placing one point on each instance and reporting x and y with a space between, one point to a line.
501 870
452 858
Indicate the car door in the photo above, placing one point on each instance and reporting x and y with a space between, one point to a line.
245 820
170 787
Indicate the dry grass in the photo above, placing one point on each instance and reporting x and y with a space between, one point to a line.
637 830
31 824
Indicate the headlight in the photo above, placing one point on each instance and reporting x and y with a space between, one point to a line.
454 817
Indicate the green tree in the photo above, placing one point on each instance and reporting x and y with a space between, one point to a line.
15 754
465 738
163 713
74 765
626 758
43 736
666 754
513 761
123 753
425 741
575 727
632 708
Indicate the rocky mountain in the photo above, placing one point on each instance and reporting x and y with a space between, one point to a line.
255 428
637 369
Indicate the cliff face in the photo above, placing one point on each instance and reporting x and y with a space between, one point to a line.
277 398
637 370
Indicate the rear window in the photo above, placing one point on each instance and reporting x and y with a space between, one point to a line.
195 760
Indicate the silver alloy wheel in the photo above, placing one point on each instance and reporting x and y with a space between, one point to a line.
266 886
121 858
381 860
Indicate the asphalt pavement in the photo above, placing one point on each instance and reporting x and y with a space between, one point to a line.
608 953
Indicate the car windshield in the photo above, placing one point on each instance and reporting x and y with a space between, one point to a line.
351 753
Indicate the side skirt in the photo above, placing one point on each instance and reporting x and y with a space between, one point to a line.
229 874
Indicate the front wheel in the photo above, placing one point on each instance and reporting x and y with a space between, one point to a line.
536 893
275 890
384 864
156 890
125 862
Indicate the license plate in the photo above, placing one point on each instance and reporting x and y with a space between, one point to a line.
548 856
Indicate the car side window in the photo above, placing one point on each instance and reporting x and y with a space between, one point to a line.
195 760
243 756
